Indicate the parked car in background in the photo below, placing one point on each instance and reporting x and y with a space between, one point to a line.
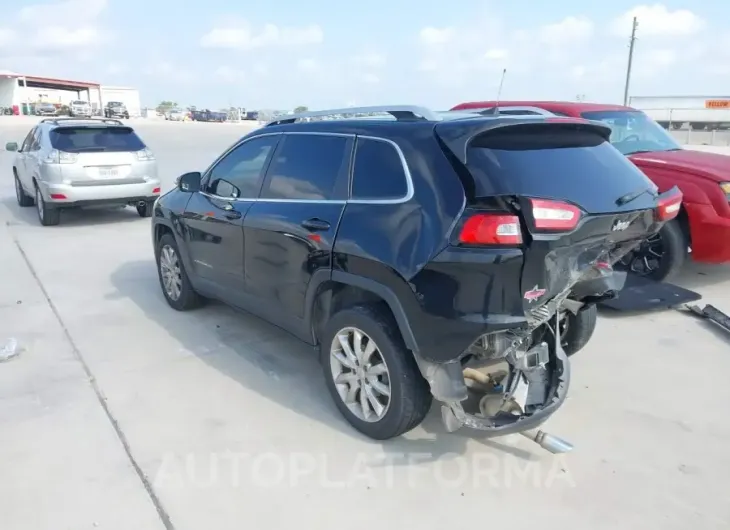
702 226
413 249
177 115
208 115
79 108
70 163
45 109
116 109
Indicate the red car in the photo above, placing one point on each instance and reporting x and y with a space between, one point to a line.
703 224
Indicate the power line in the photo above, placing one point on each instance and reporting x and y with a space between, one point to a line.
634 25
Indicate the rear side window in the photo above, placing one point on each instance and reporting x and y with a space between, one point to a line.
565 163
378 171
95 139
309 167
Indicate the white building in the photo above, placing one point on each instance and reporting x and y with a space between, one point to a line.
17 89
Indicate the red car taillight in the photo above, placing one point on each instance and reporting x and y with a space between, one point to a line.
554 215
491 229
668 207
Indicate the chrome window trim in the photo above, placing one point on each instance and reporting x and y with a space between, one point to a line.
410 191
406 173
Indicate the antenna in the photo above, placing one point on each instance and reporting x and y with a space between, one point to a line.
499 91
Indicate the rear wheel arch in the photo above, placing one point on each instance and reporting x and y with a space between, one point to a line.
327 295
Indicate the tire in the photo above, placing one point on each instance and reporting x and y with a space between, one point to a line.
675 252
24 200
145 210
579 329
188 298
410 397
47 216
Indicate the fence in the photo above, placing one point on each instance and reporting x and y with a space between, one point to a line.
694 126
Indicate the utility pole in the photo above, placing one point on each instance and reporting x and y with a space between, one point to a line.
631 60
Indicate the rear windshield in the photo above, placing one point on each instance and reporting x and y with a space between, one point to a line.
576 165
95 139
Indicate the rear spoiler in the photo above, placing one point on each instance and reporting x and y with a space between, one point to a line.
458 134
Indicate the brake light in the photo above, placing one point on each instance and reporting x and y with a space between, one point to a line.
145 155
491 229
60 157
156 190
554 215
668 207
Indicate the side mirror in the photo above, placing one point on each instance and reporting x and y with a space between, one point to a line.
11 146
190 182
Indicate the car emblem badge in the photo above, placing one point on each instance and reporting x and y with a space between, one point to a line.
620 225
534 294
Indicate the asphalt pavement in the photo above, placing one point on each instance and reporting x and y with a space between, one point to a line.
121 413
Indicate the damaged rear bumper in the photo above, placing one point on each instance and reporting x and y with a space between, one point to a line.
454 416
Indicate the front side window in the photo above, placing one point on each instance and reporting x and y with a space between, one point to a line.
239 173
309 167
28 140
378 171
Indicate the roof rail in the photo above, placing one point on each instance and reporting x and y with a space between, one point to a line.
56 121
399 112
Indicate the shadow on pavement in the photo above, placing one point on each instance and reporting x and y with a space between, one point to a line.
277 365
71 218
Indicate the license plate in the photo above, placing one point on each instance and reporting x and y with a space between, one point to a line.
108 172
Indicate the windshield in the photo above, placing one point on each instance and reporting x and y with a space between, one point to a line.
632 131
79 102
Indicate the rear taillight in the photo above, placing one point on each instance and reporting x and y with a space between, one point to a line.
60 157
554 215
145 155
491 229
668 207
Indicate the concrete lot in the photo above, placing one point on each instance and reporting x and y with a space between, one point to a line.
124 414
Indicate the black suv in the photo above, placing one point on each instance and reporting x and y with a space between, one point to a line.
419 251
116 109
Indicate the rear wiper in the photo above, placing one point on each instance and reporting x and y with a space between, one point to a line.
625 199
91 148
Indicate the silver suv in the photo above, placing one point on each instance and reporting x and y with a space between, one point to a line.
79 107
71 162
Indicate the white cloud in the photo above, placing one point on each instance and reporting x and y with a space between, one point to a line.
71 27
431 36
567 31
369 78
370 60
242 37
496 54
308 65
67 13
658 20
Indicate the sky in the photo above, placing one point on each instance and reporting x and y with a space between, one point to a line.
329 54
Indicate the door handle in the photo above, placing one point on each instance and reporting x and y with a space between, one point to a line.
316 225
231 212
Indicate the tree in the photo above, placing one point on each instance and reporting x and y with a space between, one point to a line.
301 109
164 106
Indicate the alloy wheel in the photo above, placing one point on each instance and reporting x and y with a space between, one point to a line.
647 258
171 272
360 374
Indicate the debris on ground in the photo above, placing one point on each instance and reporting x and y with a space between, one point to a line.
712 314
10 349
